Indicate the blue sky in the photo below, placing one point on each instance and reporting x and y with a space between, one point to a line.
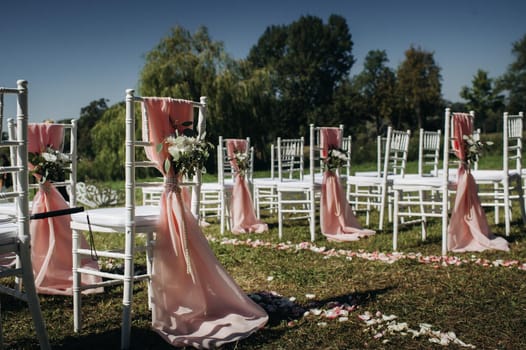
76 51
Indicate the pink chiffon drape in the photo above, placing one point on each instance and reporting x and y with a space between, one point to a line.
338 222
468 227
195 301
244 218
51 237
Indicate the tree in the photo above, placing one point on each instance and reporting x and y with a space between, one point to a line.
305 62
376 84
484 100
183 65
514 80
108 137
89 116
418 87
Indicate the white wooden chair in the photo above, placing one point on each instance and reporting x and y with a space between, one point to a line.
15 237
368 192
429 152
128 220
297 198
500 188
215 196
287 163
419 197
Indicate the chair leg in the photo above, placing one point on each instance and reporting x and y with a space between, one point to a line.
280 216
127 296
33 303
312 216
521 200
395 221
77 302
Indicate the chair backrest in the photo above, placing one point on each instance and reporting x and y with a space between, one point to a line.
135 147
68 148
315 149
347 146
396 150
429 152
289 158
19 168
224 165
381 144
512 141
452 158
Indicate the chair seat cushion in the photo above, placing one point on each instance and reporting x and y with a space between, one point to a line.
146 215
8 233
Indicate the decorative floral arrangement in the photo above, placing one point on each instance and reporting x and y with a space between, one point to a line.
336 158
51 165
474 149
243 162
187 153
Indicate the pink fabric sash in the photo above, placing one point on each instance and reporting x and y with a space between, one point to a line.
468 227
51 237
338 222
195 302
244 219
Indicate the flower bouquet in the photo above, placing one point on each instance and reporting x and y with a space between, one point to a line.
187 153
51 165
474 149
336 158
243 162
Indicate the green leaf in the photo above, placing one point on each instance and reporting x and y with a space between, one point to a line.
167 165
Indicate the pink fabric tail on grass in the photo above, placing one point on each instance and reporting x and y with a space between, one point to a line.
244 218
51 237
338 222
195 302
468 227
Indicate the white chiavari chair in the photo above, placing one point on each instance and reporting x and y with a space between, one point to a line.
419 197
15 236
500 188
368 192
129 221
215 196
287 163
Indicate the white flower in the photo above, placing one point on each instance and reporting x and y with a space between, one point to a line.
49 157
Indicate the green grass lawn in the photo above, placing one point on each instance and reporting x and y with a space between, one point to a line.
483 305
323 295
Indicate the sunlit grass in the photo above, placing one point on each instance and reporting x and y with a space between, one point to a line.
484 306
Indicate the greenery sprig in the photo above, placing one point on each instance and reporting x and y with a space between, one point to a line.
336 158
243 162
473 149
187 153
51 165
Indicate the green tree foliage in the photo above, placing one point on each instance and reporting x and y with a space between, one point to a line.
484 100
376 85
514 80
89 116
305 62
418 88
108 137
183 65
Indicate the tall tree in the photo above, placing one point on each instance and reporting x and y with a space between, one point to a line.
514 80
183 65
89 116
419 86
484 100
376 83
306 61
108 144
